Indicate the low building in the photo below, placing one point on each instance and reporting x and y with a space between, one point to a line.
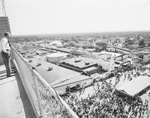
56 43
58 77
106 60
110 60
81 64
136 87
56 57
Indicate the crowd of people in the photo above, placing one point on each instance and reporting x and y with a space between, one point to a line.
104 103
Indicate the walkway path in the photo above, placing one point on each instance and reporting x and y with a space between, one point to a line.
14 102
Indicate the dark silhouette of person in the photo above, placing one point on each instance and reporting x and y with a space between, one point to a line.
5 52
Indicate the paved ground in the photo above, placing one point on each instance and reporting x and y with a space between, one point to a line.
14 102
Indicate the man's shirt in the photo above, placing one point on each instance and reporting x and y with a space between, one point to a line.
4 44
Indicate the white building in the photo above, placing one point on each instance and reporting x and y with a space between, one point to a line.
56 57
108 60
56 43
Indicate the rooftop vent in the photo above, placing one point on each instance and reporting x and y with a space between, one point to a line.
50 69
87 63
30 61
38 64
77 60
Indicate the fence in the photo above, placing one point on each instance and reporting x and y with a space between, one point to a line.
45 101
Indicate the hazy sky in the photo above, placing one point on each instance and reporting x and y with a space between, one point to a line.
73 16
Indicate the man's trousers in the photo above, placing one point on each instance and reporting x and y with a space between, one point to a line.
6 59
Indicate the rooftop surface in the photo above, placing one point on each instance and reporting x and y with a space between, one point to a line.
110 53
135 86
70 80
54 74
80 62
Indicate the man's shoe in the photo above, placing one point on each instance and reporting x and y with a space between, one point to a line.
8 75
13 71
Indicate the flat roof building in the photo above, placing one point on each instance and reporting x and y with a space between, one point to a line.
110 60
57 76
79 63
135 87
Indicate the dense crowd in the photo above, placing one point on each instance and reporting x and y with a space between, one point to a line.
104 103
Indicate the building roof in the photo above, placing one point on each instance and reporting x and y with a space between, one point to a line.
110 53
57 54
69 80
79 62
135 86
56 43
90 69
58 77
56 73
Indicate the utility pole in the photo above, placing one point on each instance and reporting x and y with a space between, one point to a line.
3 8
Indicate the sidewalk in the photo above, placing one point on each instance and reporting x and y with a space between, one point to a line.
14 102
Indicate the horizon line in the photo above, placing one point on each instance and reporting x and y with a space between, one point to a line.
67 33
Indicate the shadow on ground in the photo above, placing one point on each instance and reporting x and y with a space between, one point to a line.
29 112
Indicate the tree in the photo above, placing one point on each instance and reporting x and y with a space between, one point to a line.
102 45
128 42
141 43
71 44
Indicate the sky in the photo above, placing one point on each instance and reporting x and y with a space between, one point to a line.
77 16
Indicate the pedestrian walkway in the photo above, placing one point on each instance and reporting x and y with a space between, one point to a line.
14 102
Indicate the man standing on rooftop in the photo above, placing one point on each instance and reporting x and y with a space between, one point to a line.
5 52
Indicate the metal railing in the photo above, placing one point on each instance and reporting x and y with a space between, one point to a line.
44 100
